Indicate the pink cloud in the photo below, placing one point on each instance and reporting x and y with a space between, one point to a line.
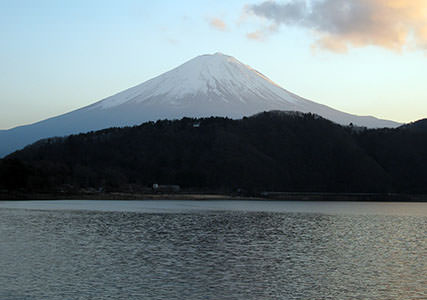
342 24
218 24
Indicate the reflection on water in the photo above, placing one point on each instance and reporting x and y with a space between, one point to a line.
210 255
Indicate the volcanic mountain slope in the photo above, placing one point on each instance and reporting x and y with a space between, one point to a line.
208 85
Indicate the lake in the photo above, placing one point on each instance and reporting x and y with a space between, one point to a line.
212 250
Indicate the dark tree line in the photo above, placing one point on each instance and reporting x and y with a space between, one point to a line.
272 151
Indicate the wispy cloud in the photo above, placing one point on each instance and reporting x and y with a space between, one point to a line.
218 24
262 33
340 24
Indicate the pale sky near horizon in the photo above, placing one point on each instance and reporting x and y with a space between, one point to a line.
58 55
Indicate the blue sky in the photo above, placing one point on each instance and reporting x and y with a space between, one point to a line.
57 56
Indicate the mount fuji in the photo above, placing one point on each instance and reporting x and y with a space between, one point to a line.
208 85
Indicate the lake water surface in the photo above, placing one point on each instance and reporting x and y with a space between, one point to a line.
212 250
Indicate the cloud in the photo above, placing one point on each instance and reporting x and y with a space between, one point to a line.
257 35
262 33
340 24
218 24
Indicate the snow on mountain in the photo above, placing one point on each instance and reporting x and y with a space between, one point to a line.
213 77
208 85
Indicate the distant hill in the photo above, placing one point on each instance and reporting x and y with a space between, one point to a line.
420 125
270 151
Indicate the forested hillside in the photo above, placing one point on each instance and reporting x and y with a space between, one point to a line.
274 151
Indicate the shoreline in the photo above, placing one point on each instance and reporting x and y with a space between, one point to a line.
121 196
272 196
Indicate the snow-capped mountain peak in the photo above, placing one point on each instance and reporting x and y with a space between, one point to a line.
208 85
216 76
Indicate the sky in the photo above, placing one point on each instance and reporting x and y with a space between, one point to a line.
365 57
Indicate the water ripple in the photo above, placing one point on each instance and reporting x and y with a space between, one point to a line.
210 255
